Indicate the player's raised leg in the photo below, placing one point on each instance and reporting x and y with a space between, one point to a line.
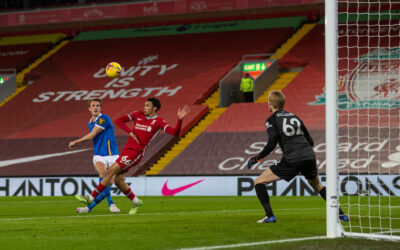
107 179
95 197
260 185
317 186
124 187
101 169
128 159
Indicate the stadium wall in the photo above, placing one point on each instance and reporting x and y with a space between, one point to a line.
371 185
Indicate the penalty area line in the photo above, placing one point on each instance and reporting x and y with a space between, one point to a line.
249 244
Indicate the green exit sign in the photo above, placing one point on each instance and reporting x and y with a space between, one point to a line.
3 79
260 66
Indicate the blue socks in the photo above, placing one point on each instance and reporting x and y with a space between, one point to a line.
105 194
94 203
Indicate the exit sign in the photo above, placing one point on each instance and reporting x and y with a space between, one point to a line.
260 66
3 79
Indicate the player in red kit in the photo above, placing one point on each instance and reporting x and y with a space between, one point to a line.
146 125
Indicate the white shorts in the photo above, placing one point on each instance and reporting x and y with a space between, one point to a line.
107 160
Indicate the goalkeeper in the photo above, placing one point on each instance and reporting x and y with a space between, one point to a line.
289 132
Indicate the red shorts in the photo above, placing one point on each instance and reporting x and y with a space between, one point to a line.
129 158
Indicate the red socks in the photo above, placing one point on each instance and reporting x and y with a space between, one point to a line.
98 190
129 194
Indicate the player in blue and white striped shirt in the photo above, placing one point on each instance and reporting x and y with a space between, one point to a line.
101 131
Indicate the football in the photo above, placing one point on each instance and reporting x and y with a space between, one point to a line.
113 69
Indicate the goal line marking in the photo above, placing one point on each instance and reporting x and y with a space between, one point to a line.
256 243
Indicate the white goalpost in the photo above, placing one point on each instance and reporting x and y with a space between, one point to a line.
362 87
331 120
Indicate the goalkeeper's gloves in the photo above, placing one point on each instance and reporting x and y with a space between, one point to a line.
252 161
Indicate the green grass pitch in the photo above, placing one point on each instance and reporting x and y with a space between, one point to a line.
169 223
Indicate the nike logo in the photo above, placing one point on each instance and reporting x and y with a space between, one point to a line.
38 157
170 192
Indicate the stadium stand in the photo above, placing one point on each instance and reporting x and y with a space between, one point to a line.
283 80
17 52
19 56
23 53
309 53
239 132
214 112
153 65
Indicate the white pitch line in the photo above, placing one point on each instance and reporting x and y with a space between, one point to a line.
256 243
152 214
6 163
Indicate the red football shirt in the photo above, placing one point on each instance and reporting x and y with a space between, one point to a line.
145 128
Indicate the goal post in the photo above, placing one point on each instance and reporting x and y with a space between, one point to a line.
362 88
331 118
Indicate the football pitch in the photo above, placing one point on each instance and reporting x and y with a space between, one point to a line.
170 223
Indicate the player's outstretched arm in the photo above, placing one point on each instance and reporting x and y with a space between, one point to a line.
96 130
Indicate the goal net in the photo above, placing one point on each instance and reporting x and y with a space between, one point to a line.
368 117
